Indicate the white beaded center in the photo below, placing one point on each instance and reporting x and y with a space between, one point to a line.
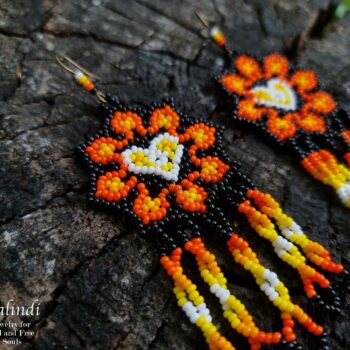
276 93
162 157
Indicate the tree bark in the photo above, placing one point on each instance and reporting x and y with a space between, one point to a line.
99 284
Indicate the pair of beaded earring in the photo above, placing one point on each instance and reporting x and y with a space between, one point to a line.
170 175
287 104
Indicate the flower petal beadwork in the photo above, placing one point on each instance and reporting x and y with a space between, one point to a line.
288 99
287 104
153 163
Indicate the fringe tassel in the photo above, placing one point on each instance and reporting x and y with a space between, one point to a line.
192 303
234 310
272 287
285 247
324 166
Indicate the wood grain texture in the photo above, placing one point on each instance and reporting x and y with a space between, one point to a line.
100 285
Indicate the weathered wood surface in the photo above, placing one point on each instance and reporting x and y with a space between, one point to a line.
99 284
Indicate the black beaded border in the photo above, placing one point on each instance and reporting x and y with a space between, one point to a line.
179 225
303 142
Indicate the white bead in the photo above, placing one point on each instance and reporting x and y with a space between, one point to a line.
296 228
264 286
344 192
287 232
208 318
204 312
224 296
266 273
218 293
214 288
132 167
186 306
201 307
274 279
289 246
269 291
273 296
78 74
279 242
280 252
194 318
225 307
192 312
215 30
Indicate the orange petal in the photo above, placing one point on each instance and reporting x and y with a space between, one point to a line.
304 80
212 169
247 109
191 197
281 127
125 122
311 122
203 136
112 188
248 66
102 150
275 64
322 102
150 209
164 118
234 83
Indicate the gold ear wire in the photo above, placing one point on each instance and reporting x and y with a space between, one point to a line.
201 18
81 75
62 58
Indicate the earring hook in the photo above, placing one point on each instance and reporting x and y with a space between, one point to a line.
81 75
61 61
202 18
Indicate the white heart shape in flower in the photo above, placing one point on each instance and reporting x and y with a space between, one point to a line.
162 157
276 93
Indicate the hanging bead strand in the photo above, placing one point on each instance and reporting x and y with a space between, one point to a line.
192 303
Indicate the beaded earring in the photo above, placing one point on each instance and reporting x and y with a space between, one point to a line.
170 176
287 104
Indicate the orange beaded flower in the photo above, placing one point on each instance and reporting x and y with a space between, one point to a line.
287 100
149 166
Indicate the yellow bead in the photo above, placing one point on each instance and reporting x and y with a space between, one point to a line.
205 326
191 288
227 313
182 301
199 300
235 323
83 79
200 321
